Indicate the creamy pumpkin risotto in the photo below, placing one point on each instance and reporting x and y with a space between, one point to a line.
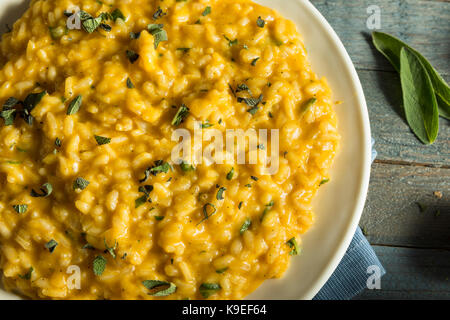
92 205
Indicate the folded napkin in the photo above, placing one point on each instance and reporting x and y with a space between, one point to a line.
350 277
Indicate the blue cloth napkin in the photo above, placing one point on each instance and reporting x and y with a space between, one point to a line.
350 277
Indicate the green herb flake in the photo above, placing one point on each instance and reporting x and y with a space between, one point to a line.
80 183
159 218
206 214
160 167
268 207
146 189
88 246
140 201
185 50
102 140
158 14
240 205
99 265
134 36
132 56
117 14
181 114
260 22
46 190
91 24
111 250
159 288
206 125
308 104
220 271
326 180
220 192
158 33
75 105
130 84
230 174
247 223
208 289
58 142
251 102
186 167
231 42
8 115
292 243
20 208
254 61
206 11
27 276
51 245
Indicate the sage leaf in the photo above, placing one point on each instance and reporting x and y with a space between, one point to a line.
159 288
390 47
418 97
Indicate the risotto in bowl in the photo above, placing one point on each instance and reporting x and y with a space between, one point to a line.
170 152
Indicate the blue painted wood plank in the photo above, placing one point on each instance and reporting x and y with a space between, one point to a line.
412 274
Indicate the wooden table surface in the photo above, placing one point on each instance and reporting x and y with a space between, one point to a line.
412 244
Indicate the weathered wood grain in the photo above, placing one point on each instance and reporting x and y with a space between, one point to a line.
422 24
392 215
412 274
394 138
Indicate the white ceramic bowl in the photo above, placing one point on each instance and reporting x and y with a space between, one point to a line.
340 202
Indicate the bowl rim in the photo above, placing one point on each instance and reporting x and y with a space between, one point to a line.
350 230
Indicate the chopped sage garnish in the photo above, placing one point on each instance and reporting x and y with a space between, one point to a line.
130 84
247 223
220 192
267 209
292 243
308 104
260 22
117 14
206 214
27 276
111 250
75 105
206 11
140 201
51 245
80 183
20 208
159 14
158 33
159 288
208 289
102 140
254 61
46 190
219 271
230 174
99 265
231 42
132 56
186 167
181 114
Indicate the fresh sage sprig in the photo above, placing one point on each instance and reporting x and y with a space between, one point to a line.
419 98
425 121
